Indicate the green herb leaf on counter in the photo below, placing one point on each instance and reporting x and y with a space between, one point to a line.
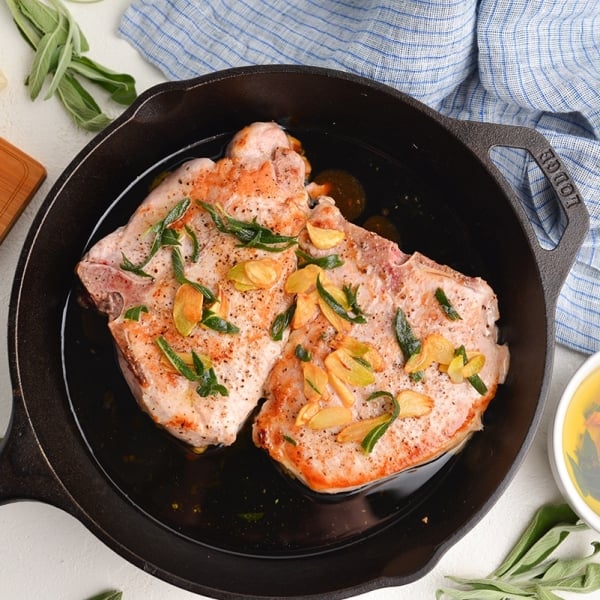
110 595
530 570
59 44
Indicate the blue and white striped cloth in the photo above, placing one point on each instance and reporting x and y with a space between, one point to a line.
526 62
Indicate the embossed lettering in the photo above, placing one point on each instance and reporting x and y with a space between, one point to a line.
561 181
560 178
546 155
552 166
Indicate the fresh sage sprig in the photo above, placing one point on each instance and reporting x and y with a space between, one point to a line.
59 64
110 595
530 570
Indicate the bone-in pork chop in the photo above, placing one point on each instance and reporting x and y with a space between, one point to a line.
391 361
193 281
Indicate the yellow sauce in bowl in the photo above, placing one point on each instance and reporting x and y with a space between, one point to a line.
581 440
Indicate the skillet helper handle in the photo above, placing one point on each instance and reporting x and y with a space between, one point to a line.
25 474
554 263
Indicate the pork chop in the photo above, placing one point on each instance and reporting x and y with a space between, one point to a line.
193 281
391 361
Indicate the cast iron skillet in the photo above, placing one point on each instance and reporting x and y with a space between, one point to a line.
228 524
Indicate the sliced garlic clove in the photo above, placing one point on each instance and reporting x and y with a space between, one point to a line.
187 308
324 239
331 416
356 432
413 404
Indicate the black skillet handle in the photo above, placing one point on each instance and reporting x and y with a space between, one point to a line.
25 473
554 263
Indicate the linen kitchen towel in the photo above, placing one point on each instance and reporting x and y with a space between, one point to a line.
526 62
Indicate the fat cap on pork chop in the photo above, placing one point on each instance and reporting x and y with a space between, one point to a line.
261 179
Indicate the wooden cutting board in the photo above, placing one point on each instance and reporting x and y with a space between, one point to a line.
20 177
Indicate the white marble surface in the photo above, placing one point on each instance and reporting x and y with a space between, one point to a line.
46 554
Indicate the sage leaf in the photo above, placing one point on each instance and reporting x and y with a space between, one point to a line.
587 581
543 521
562 569
58 44
110 595
42 16
249 233
195 244
543 594
42 61
408 342
281 323
26 28
179 271
476 594
529 571
446 305
135 312
302 353
206 377
369 441
506 588
337 308
80 105
120 86
217 323
64 59
163 236
328 262
79 41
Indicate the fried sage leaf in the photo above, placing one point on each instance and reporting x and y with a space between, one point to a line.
206 377
163 236
338 309
409 343
249 233
376 433
446 305
135 312
330 261
282 322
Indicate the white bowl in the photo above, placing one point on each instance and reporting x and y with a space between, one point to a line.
571 407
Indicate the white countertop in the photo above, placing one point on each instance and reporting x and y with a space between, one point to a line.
47 554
